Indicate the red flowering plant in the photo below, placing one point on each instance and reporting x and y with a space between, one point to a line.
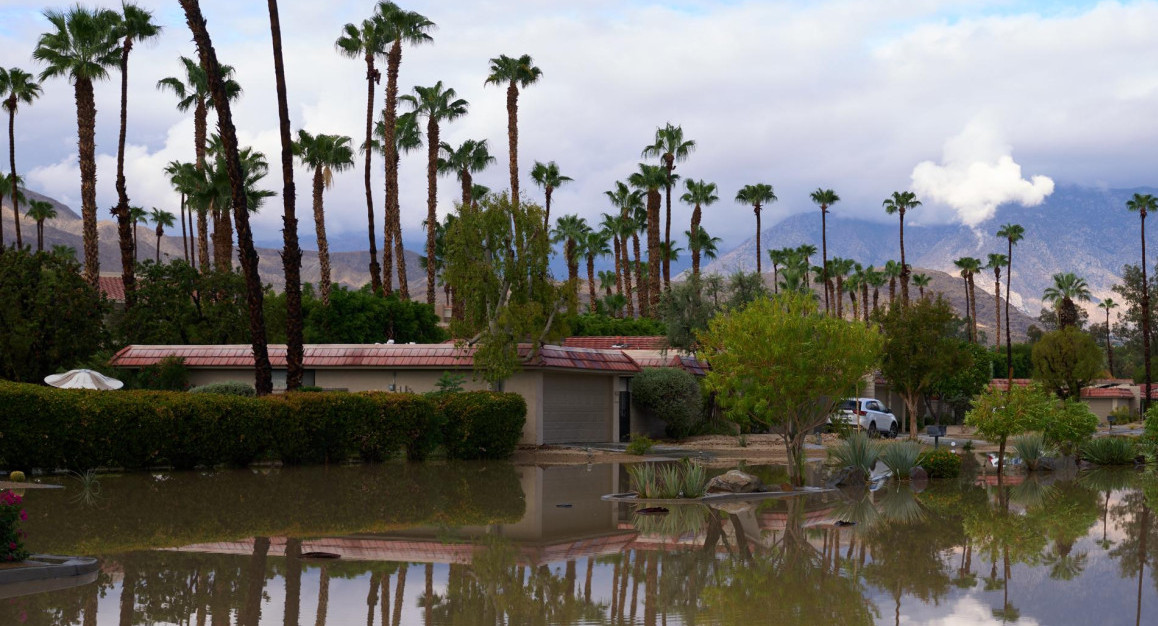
11 537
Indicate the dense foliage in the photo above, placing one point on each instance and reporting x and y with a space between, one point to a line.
482 424
11 537
940 463
671 395
227 388
591 325
1066 360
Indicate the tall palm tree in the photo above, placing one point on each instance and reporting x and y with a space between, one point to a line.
996 262
571 230
922 281
1107 305
594 246
470 157
162 220
625 199
9 186
183 177
407 138
136 25
699 194
969 267
137 215
16 86
839 268
81 47
194 93
638 222
610 224
853 285
516 73
778 257
263 380
324 154
892 271
900 203
701 244
824 198
805 251
437 105
1066 288
1014 233
757 196
547 176
875 279
650 178
669 147
1143 204
40 210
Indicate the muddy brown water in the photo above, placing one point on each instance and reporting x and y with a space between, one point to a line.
473 544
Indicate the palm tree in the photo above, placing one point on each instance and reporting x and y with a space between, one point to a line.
407 138
900 203
572 230
970 266
757 195
9 186
437 105
701 243
625 199
594 245
1143 204
82 47
610 224
996 262
1107 305
40 210
324 154
839 268
547 176
824 198
778 258
876 280
853 285
161 219
650 178
194 93
520 72
182 176
137 215
805 251
471 157
669 147
638 222
922 281
1014 233
1066 288
892 271
16 86
699 194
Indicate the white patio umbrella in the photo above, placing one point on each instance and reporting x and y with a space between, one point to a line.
83 379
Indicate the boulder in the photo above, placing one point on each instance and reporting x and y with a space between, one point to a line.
918 478
734 481
848 477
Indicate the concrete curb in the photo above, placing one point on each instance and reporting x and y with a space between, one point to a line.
45 572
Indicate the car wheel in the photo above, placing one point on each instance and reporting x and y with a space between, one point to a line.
893 430
872 429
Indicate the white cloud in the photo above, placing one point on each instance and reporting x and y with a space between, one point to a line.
977 174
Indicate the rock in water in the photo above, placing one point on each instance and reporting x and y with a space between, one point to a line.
849 477
918 473
734 481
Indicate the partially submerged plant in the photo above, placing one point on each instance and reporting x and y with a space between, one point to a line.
643 479
669 482
1032 448
676 480
640 445
858 452
901 457
90 487
695 479
1110 451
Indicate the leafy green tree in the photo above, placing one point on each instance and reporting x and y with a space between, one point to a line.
359 316
509 297
670 394
961 386
1065 361
920 351
1071 425
745 288
999 414
51 317
782 364
176 304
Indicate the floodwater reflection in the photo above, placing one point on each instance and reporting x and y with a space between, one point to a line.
475 544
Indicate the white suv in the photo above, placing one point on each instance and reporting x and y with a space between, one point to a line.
870 414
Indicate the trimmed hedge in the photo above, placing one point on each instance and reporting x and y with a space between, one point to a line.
482 424
47 428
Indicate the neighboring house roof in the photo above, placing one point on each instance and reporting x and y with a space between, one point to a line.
1108 392
113 287
617 342
395 356
653 358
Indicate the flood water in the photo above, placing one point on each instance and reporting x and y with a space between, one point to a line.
442 544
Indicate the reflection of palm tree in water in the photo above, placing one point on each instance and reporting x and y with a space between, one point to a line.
323 596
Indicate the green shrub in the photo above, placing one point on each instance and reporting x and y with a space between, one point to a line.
1070 425
695 480
940 463
856 452
168 374
1110 451
670 394
482 424
640 445
1121 415
900 457
227 388
1031 448
1152 423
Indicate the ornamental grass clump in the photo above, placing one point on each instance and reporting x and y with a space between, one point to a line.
858 452
1110 451
670 482
12 512
1031 448
643 479
901 457
695 480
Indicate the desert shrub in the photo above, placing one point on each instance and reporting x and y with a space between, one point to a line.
940 463
900 457
1121 415
1110 451
670 394
640 445
1031 448
482 424
227 388
857 452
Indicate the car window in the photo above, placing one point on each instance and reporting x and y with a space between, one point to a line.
848 405
874 406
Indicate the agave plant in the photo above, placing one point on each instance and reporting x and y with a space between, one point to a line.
669 481
1032 448
695 480
1110 451
901 457
643 479
857 452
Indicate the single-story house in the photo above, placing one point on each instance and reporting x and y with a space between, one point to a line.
574 395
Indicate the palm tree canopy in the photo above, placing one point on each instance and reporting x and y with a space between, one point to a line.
570 227
407 134
478 192
1141 202
648 178
368 39
670 142
996 260
436 102
17 86
137 24
82 44
595 243
708 245
824 198
1108 304
547 175
921 280
330 153
162 218
470 156
1069 286
756 195
1013 232
398 24
137 214
40 210
521 71
196 85
901 201
624 198
699 192
968 265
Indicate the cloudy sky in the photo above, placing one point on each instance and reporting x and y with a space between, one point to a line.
971 104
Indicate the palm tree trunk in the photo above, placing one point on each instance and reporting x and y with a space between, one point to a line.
122 208
640 283
467 183
865 301
1109 348
250 613
86 131
184 234
399 250
399 593
972 307
653 249
291 255
324 597
1009 326
696 214
1 222
200 133
759 258
254 297
572 268
824 252
431 203
628 291
429 604
1145 317
371 599
160 233
513 139
669 165
391 161
969 327
128 603
203 240
839 293
547 208
996 300
904 266
591 282
11 102
323 244
372 77
40 235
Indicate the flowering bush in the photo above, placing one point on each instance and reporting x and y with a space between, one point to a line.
11 537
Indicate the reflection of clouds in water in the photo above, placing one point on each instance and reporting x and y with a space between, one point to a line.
967 611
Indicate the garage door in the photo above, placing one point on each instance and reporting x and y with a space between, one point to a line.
576 409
